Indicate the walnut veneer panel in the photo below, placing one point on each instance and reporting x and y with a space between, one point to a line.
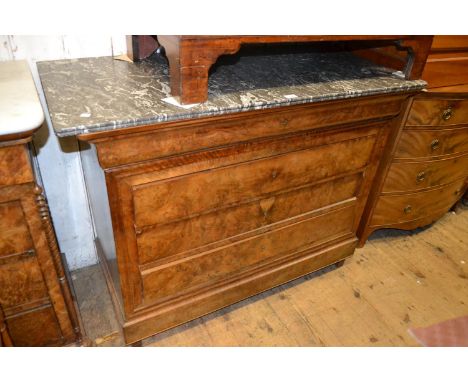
169 239
165 201
14 232
220 264
14 165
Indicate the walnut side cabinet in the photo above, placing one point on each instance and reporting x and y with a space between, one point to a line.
36 304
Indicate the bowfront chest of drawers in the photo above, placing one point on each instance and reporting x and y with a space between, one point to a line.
428 171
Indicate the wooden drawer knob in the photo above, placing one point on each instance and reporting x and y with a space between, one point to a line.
407 209
447 114
435 144
420 177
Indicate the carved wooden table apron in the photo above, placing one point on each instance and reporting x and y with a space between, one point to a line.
190 57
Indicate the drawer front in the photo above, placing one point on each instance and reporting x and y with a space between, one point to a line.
412 176
218 265
438 112
182 137
427 143
177 198
403 208
193 234
37 327
21 282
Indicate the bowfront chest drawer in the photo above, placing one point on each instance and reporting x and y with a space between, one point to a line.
429 170
438 112
432 142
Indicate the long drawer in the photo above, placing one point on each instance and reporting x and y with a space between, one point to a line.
181 137
412 176
438 112
394 209
217 265
193 234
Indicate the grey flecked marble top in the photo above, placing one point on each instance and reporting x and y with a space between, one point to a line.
92 94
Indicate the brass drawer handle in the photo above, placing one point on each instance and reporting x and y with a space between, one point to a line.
420 177
447 114
435 144
407 209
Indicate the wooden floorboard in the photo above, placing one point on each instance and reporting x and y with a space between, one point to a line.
398 280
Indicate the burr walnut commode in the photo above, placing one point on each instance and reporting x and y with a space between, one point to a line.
197 208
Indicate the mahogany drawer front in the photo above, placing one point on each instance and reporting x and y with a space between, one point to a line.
412 176
182 137
438 112
221 264
427 143
172 199
189 234
394 209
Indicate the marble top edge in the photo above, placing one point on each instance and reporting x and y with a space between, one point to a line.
20 108
83 129
100 94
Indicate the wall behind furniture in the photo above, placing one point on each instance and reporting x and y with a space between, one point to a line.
59 160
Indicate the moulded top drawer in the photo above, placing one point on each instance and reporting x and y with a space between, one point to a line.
438 112
186 136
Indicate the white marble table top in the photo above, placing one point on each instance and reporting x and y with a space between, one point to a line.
20 109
